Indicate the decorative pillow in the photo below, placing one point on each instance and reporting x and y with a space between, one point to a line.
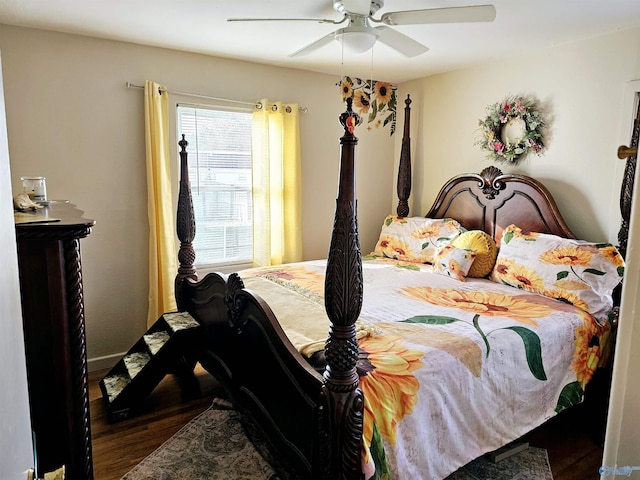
415 239
452 261
574 271
483 245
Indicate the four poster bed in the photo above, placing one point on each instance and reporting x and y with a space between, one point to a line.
429 361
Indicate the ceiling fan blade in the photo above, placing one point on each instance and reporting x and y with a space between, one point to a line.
317 20
400 42
327 39
479 13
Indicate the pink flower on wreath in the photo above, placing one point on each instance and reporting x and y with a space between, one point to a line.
498 147
506 107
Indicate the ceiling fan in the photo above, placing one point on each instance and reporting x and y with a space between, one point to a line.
359 36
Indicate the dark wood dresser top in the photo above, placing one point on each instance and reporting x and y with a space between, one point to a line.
65 220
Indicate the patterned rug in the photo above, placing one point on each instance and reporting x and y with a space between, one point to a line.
218 448
211 446
530 464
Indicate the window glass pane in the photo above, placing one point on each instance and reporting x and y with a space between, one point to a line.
220 174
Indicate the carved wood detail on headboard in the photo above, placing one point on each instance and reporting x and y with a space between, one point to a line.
491 201
489 185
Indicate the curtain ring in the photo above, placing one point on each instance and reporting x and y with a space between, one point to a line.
288 109
274 108
258 106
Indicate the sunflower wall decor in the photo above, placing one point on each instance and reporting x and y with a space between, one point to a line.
512 129
373 100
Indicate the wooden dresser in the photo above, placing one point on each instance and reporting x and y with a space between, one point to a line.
54 330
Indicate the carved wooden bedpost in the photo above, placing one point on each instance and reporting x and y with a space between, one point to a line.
404 169
185 226
341 401
626 190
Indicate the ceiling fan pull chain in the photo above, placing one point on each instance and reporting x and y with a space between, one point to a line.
371 76
341 61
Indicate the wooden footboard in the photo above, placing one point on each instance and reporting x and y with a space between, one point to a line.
264 375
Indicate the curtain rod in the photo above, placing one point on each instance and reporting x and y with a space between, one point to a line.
207 97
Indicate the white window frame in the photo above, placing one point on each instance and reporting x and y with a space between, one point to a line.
221 266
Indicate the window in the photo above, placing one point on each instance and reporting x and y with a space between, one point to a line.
220 174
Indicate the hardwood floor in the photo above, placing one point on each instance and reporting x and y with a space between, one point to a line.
118 447
574 453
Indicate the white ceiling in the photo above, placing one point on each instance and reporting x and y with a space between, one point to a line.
520 26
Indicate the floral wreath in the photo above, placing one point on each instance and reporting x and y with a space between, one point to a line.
372 99
516 112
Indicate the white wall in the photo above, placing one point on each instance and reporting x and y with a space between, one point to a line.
580 86
71 119
16 452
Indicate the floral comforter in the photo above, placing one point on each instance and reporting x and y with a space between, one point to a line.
450 369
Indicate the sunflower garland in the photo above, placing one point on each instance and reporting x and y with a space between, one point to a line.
511 111
373 100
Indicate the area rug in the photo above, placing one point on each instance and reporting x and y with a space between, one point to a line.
215 445
211 446
530 464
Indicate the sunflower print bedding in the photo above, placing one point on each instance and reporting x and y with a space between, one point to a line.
450 369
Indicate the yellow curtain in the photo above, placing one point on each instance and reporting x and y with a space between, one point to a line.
162 243
277 211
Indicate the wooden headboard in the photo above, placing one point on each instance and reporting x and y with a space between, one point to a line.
491 201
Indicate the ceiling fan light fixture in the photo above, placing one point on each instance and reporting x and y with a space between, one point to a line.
357 39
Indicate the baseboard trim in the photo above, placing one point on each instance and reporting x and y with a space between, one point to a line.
104 363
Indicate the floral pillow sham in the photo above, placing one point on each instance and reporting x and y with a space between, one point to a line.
415 239
574 271
453 262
